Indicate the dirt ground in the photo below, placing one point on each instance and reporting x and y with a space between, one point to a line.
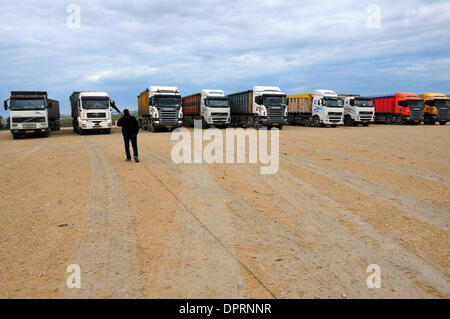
343 198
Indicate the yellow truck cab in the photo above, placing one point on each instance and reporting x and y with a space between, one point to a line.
437 108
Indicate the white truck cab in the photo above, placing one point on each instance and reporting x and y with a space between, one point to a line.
327 108
270 105
91 111
215 107
358 110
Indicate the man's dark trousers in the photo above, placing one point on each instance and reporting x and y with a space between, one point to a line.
133 139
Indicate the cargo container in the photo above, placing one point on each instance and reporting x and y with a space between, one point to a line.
32 112
357 109
209 106
323 107
159 107
262 106
91 111
436 109
399 108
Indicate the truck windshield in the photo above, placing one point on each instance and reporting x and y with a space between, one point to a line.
27 104
415 103
275 100
95 103
442 103
364 103
333 102
168 101
218 103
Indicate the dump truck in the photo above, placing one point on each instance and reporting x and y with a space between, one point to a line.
91 111
261 106
399 108
357 109
32 112
323 107
159 107
437 107
210 106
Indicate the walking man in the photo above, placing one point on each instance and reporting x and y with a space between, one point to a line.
130 130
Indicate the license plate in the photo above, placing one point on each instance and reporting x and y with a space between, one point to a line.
29 131
169 126
364 121
98 127
276 124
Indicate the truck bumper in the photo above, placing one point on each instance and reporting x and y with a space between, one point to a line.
32 131
96 125
163 125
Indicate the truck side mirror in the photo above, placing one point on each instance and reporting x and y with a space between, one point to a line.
287 101
5 105
429 102
352 102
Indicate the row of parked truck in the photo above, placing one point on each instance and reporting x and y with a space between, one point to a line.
163 107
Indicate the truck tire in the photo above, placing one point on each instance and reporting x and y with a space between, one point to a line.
442 122
15 136
108 131
399 121
348 121
280 127
365 124
316 121
153 128
255 123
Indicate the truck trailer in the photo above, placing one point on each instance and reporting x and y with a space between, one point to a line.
210 106
399 108
91 111
323 107
357 109
159 107
437 106
262 106
32 112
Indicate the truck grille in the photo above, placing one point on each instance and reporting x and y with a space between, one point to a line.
275 116
28 119
168 117
416 114
365 115
96 115
335 116
28 126
443 114
219 117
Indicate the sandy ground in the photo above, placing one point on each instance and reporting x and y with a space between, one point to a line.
343 198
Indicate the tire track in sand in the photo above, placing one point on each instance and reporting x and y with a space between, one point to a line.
200 256
107 252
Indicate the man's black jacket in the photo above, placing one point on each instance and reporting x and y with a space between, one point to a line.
130 125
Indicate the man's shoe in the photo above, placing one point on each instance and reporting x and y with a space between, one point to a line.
128 159
136 159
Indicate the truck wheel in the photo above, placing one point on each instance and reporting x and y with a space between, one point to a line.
280 127
15 136
365 124
153 129
432 122
442 122
348 121
255 124
316 121
399 121
108 131
426 121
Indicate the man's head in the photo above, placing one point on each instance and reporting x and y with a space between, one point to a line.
126 112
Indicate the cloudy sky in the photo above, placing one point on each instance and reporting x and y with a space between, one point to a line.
122 47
